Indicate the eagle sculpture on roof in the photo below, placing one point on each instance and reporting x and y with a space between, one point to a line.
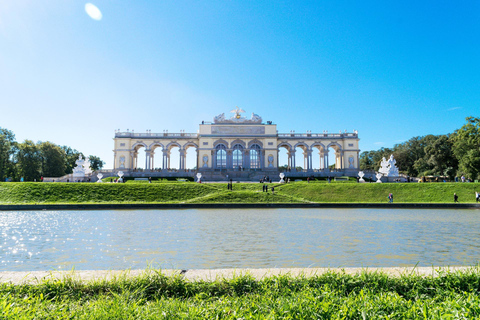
237 113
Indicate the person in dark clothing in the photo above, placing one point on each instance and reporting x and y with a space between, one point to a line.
455 198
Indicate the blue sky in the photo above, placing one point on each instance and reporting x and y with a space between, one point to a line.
391 70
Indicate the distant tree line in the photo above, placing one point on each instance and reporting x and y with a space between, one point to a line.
32 160
447 155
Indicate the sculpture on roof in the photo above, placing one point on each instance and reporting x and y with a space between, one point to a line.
237 112
219 118
237 117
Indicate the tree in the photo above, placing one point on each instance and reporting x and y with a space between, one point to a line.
28 160
366 160
439 156
95 163
52 159
466 147
7 149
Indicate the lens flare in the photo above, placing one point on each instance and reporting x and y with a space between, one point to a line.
93 12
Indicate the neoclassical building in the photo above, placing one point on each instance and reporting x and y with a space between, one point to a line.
236 145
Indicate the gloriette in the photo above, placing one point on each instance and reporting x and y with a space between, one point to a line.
238 147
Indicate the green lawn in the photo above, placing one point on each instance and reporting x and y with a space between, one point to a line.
367 295
190 192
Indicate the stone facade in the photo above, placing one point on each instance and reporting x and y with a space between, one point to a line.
237 144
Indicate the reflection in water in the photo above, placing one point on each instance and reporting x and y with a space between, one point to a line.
234 238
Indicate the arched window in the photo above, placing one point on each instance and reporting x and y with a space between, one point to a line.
255 157
237 155
221 156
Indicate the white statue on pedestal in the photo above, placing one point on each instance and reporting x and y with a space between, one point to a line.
392 168
100 176
282 175
79 170
379 176
388 167
361 174
199 177
383 167
120 175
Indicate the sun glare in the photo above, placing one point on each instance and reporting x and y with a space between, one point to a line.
93 12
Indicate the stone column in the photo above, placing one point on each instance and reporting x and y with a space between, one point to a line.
229 155
326 160
294 165
262 159
147 159
181 165
132 160
309 160
164 159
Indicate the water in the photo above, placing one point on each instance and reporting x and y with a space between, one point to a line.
254 238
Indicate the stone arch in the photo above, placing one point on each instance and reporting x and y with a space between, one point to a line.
189 161
256 156
172 145
155 145
140 159
336 145
318 158
317 145
220 156
175 162
285 145
301 156
238 154
156 162
302 145
240 142
284 159
335 158
220 141
139 145
255 141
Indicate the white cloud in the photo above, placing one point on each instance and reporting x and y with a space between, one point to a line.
379 143
93 12
454 108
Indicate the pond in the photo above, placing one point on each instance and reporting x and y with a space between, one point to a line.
237 238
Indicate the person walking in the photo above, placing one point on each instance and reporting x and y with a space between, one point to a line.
390 198
455 198
477 196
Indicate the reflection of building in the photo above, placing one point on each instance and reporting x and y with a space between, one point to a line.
235 145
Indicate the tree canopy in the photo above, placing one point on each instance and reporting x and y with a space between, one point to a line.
442 155
32 160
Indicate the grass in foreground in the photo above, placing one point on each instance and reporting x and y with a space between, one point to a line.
368 295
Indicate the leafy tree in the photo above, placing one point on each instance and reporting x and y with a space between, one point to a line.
439 156
466 147
52 159
28 160
7 149
366 160
95 163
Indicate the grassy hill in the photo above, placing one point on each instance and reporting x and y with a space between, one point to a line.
190 192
